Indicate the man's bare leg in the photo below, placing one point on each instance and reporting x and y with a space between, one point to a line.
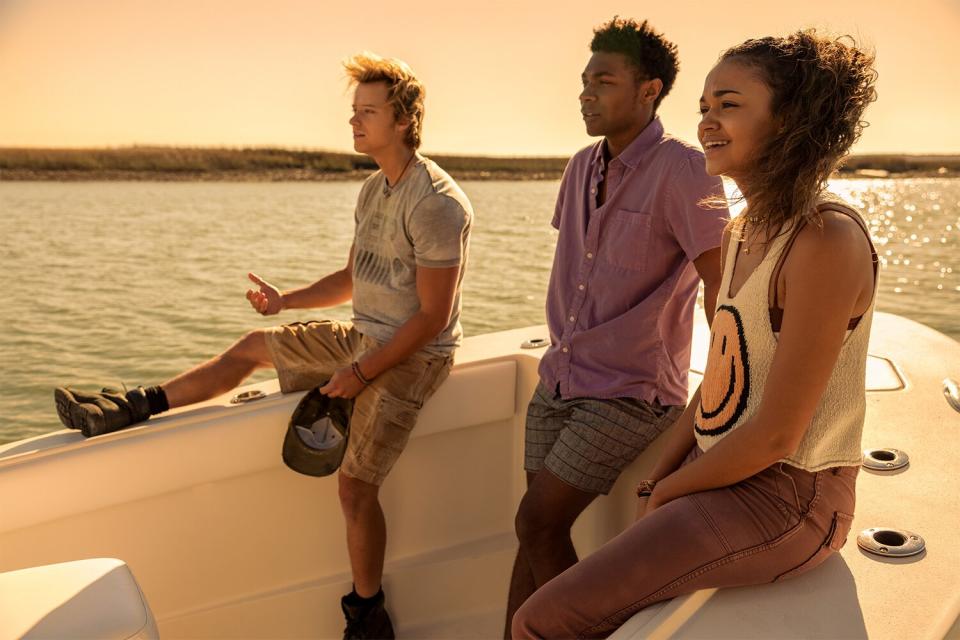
221 373
97 413
522 584
544 519
366 533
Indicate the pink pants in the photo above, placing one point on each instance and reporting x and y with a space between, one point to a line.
779 523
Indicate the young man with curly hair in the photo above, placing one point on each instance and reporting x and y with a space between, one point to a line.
403 275
634 244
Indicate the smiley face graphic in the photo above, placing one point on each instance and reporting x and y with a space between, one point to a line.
726 382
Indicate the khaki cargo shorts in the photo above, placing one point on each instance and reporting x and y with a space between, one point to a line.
384 413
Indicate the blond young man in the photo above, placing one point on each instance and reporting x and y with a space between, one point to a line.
403 275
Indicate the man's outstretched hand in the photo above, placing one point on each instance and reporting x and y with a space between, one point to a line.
343 384
267 300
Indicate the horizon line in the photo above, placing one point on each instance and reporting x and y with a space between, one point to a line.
308 149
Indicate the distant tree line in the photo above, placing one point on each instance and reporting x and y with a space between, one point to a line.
186 163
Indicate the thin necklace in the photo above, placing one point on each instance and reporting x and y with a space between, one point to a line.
387 189
744 237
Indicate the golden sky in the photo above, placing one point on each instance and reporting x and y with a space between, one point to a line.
502 77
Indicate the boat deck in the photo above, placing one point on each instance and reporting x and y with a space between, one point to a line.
225 541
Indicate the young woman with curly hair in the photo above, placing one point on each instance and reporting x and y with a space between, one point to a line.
757 482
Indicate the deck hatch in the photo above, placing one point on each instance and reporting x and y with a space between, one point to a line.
883 375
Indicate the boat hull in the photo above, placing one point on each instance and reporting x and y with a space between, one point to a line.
226 541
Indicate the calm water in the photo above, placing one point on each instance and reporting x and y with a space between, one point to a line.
133 282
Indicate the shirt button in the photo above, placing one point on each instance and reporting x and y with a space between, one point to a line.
589 256
581 287
565 349
593 191
572 318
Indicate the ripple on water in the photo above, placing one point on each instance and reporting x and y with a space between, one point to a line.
915 228
134 282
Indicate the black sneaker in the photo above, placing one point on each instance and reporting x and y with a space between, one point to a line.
100 412
366 621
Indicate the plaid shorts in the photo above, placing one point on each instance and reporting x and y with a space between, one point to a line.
587 442
384 413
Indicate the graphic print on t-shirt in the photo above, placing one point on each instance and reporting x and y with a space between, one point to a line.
369 265
726 382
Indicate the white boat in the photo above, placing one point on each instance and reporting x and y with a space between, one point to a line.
225 541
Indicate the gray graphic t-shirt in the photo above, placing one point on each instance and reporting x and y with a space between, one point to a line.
423 221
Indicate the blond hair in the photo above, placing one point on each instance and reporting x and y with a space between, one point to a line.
404 91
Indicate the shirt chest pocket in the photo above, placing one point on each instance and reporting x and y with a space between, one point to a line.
625 239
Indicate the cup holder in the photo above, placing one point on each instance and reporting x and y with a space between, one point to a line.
248 396
535 343
884 459
890 543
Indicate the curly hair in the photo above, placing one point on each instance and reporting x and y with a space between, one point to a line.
404 91
649 52
820 88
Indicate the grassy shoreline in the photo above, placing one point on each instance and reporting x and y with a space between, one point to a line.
272 165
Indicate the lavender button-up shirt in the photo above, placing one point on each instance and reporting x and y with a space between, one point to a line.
623 286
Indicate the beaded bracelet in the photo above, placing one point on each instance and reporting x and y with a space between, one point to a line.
355 366
645 488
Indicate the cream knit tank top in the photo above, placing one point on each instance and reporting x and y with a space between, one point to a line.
742 345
